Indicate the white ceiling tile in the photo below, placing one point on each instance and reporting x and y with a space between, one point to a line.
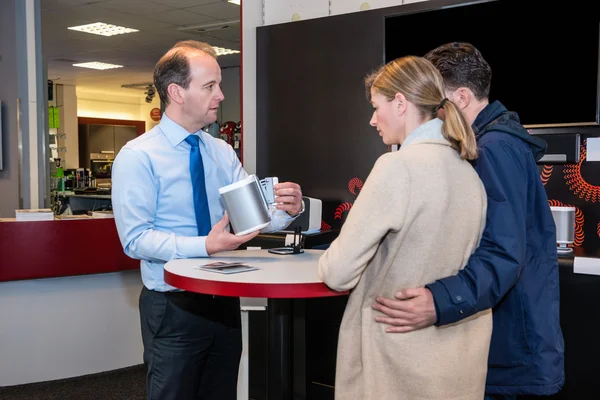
74 16
144 23
136 7
60 20
185 3
219 10
231 36
62 4
181 17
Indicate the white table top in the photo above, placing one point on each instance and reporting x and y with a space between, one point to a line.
278 276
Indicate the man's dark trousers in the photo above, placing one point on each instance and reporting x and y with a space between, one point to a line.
192 345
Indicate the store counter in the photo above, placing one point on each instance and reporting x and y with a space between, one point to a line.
85 319
47 249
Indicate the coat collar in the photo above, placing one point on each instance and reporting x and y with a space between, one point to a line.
430 131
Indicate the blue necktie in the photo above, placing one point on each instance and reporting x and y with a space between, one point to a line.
199 187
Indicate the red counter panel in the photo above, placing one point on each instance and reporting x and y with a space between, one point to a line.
45 249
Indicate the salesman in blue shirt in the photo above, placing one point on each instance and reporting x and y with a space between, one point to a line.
166 204
515 268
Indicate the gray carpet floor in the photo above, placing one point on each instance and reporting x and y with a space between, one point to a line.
122 384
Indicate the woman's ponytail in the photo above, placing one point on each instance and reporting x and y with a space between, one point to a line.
457 130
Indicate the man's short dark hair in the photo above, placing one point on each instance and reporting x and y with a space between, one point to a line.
173 67
462 65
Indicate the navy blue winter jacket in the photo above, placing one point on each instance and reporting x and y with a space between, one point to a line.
515 268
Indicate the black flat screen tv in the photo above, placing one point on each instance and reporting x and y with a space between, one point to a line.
544 57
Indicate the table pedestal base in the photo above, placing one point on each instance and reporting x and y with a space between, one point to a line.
286 363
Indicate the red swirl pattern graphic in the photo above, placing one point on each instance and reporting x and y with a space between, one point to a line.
325 226
546 173
353 184
579 233
598 230
579 219
577 184
341 209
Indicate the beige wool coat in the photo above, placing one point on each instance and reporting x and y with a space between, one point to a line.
418 218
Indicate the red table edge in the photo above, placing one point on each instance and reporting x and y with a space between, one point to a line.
261 290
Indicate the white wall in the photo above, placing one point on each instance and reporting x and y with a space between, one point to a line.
113 106
64 327
347 6
252 17
281 11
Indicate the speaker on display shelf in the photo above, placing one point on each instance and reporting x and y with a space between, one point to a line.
310 220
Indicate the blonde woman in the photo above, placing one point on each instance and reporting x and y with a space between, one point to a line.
418 218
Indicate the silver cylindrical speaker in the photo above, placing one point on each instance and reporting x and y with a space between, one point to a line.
564 219
245 205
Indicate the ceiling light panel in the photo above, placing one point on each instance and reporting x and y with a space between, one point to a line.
100 28
221 51
97 65
234 1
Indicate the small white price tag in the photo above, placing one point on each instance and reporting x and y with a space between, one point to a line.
586 265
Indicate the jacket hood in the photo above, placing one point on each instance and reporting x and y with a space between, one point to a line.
495 117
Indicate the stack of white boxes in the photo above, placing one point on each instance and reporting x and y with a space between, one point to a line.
35 214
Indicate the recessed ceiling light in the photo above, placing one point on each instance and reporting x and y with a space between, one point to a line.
221 51
97 65
235 2
100 28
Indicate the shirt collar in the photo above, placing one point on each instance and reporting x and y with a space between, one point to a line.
174 132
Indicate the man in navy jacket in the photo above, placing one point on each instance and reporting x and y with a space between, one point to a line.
515 268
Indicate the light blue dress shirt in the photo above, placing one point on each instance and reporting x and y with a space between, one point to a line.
153 202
